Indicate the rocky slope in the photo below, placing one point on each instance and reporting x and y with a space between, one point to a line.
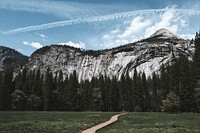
11 58
164 33
146 56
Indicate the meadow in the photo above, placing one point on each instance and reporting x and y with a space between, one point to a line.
155 123
75 122
50 122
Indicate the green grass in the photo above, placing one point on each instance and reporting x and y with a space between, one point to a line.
155 123
49 122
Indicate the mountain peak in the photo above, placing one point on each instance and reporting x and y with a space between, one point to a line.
164 33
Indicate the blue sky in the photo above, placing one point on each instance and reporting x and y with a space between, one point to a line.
27 25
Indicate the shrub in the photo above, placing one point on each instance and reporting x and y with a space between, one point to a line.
171 103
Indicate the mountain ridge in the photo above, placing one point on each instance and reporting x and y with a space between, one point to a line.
11 58
164 33
146 55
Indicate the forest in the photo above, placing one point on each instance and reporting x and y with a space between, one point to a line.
175 89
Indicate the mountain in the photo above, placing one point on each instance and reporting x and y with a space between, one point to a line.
164 33
146 56
10 57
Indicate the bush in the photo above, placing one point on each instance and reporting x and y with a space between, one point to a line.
171 103
18 100
33 102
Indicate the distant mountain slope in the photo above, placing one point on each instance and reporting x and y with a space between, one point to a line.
164 33
146 56
10 57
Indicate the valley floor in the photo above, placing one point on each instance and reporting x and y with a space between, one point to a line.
50 122
152 122
75 122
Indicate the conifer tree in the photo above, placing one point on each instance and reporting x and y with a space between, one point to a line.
73 86
1 90
37 88
197 55
103 92
47 90
87 95
123 99
165 79
114 95
67 96
155 102
7 88
60 89
107 94
137 96
146 96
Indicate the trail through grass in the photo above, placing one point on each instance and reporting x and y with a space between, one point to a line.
50 122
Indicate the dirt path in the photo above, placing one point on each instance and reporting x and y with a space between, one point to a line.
104 124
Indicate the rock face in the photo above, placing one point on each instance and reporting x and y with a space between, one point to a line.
9 57
146 56
164 33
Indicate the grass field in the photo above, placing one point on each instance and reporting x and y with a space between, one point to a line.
49 122
74 122
155 123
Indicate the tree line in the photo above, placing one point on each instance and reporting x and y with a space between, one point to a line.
175 89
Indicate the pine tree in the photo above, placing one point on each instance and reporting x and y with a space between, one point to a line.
187 100
127 92
123 95
67 96
196 65
37 88
73 86
47 90
55 94
137 93
114 95
7 88
155 102
60 88
103 92
146 95
87 96
1 90
107 94
197 55
165 79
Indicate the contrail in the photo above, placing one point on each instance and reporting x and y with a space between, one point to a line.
99 19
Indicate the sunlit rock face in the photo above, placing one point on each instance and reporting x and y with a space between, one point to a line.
146 56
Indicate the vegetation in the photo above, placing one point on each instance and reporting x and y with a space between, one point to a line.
171 104
50 122
155 123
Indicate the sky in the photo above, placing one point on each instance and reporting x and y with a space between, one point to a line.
27 25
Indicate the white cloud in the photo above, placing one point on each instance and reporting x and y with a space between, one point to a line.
107 36
42 35
136 25
20 50
114 31
118 37
102 18
36 45
77 45
122 41
143 26
69 10
187 36
166 20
